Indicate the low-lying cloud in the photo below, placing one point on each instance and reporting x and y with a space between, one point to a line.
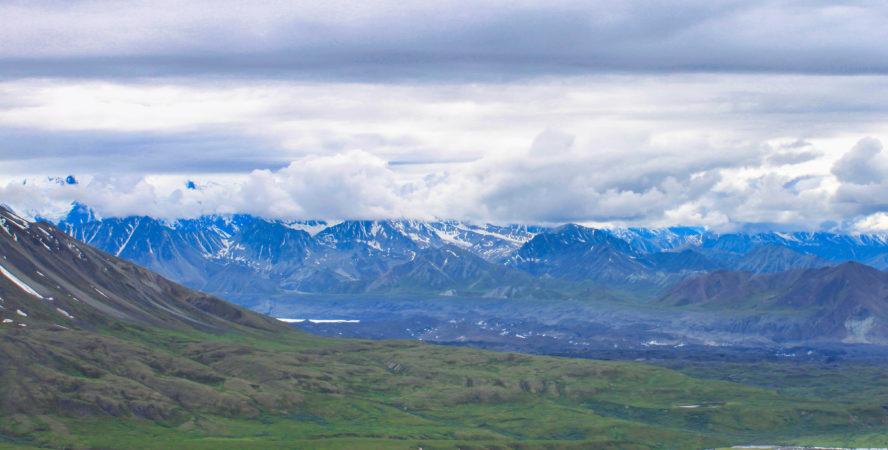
723 193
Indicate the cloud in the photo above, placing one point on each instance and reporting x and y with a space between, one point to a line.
863 189
862 164
450 40
795 152
350 185
158 126
551 142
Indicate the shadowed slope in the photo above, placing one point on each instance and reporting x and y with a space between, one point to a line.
847 302
73 283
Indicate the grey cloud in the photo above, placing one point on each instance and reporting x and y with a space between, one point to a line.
449 40
855 200
139 152
803 183
786 158
551 142
861 165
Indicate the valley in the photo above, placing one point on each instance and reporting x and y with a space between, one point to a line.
99 352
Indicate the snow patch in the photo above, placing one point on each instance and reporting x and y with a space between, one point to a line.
64 313
339 271
132 231
17 221
318 320
334 321
311 228
3 225
21 313
19 283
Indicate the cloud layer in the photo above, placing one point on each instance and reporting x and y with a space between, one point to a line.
724 193
448 40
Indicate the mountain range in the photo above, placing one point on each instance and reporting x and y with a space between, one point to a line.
406 278
239 253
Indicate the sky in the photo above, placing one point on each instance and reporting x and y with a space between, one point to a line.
721 114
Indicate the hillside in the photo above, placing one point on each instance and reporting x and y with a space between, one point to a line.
105 354
847 303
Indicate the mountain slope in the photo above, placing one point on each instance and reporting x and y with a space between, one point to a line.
72 283
833 247
577 253
774 258
848 302
450 270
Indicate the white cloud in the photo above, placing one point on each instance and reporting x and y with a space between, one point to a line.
873 223
351 185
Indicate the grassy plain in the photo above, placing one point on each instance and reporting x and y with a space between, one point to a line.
151 388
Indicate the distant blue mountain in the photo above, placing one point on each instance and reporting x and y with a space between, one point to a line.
241 253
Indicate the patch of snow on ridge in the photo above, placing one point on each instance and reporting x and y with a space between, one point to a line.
334 321
373 244
131 230
14 219
318 320
65 313
19 283
516 239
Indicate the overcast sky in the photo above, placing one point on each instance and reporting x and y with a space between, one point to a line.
721 114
